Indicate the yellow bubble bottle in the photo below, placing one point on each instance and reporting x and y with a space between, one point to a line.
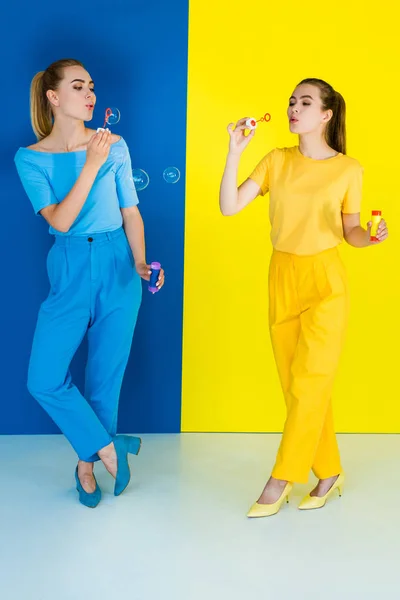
376 219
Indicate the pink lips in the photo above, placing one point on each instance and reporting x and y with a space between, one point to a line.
90 106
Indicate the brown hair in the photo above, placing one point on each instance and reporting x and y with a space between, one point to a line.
331 100
41 113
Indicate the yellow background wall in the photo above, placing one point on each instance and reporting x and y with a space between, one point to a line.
245 58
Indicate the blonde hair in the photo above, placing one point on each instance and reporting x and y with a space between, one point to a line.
40 107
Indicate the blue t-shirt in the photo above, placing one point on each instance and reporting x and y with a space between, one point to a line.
48 177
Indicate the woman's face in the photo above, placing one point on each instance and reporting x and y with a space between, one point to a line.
75 97
305 111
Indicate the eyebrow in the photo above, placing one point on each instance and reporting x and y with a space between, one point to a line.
81 81
301 97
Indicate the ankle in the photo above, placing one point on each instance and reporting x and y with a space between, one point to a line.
107 452
278 482
327 479
85 467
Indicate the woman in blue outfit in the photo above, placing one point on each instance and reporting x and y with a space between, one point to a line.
81 182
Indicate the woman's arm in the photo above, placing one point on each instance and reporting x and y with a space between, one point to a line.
61 216
233 199
357 236
134 229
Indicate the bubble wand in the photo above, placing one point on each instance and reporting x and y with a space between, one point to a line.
252 123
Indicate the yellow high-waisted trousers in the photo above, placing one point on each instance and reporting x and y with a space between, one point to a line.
308 319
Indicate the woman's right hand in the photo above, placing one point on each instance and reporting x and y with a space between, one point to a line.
98 149
238 140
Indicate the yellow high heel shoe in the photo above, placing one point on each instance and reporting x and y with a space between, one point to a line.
311 502
267 510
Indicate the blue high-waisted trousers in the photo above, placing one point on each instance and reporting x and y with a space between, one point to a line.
95 289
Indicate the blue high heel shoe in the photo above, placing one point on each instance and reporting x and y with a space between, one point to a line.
89 500
124 444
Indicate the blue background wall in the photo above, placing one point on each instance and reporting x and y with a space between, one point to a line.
137 55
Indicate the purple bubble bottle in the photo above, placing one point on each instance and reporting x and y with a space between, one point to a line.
155 271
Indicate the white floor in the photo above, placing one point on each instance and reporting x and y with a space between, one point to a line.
180 531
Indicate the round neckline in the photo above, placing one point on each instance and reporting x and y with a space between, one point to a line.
62 153
318 160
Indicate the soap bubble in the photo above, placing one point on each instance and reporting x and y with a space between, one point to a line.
140 179
172 175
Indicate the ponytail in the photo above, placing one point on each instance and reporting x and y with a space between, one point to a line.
335 131
41 116
41 113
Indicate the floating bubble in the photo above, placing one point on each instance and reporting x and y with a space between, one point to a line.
140 179
172 175
112 116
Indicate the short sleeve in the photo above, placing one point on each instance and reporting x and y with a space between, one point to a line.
35 183
352 199
261 174
126 191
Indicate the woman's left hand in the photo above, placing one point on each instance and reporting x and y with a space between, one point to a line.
144 271
382 233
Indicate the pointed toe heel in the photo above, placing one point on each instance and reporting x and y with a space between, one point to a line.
313 502
267 510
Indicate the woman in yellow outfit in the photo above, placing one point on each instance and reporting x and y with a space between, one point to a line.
315 200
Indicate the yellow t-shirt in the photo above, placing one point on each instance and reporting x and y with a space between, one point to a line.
307 198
